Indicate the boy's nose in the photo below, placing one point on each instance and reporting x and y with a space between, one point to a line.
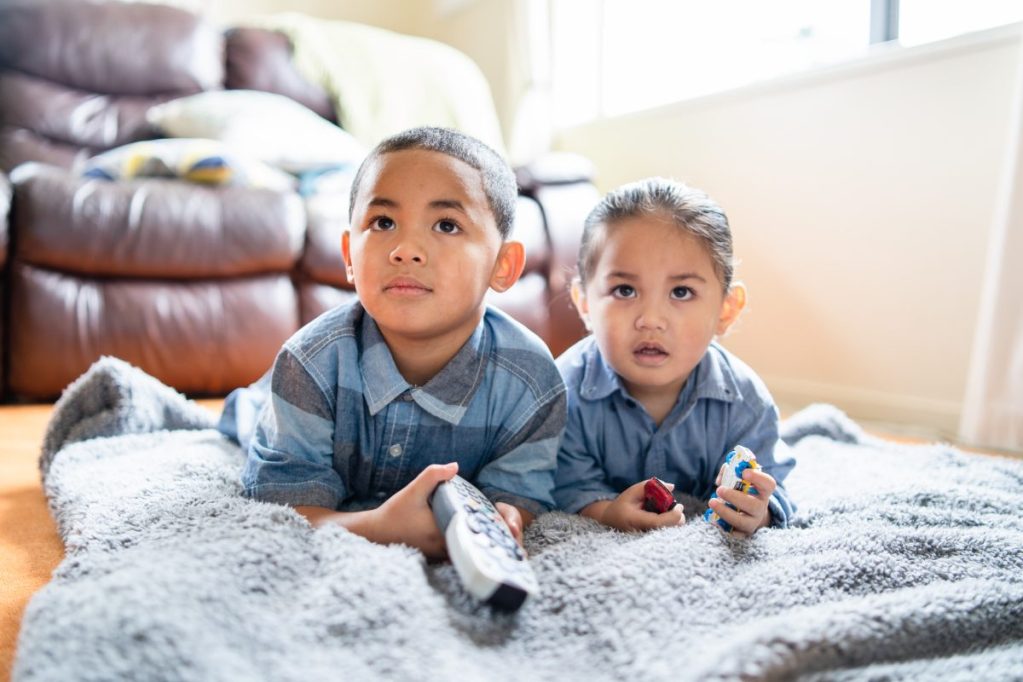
407 252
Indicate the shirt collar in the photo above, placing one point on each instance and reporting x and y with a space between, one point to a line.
446 396
713 377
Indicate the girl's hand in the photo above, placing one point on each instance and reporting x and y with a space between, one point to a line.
751 512
513 518
626 512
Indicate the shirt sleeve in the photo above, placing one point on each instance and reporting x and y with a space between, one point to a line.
290 457
580 479
522 471
760 434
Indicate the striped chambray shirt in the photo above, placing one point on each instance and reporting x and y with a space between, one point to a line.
334 424
611 441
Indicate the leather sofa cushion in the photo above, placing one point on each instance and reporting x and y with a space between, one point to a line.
18 145
153 228
259 59
202 337
72 116
114 48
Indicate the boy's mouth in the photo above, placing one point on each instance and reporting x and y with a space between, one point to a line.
649 352
406 286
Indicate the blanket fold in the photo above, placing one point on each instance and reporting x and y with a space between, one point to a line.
903 562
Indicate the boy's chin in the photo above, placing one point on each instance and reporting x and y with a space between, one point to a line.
424 326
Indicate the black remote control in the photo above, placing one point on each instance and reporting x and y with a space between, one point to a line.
492 566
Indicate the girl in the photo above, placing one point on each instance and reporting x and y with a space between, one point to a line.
650 393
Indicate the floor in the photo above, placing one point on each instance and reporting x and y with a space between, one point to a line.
30 547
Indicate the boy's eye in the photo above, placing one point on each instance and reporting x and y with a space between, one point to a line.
623 291
447 227
382 223
681 293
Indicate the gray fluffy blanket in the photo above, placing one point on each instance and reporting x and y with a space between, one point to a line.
904 562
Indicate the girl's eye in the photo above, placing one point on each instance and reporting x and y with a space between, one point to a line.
681 293
624 291
382 223
447 227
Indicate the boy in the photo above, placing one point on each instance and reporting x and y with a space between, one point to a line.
378 401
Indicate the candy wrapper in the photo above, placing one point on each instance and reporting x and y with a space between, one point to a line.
736 462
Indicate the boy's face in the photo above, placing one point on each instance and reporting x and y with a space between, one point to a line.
654 304
424 247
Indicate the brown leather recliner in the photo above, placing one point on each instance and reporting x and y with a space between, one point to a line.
197 285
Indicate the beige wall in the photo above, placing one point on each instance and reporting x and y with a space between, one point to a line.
861 201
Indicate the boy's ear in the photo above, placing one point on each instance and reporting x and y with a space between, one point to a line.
511 260
346 253
580 302
731 307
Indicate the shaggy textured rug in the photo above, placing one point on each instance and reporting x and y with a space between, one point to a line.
903 562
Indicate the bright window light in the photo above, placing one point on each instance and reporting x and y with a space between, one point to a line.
924 21
611 57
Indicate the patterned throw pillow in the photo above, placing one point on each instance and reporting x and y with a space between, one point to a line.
272 128
203 161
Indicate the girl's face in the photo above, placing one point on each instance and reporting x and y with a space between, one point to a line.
654 303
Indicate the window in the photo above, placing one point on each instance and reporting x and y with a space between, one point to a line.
610 57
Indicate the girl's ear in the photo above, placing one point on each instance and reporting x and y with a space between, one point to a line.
511 260
580 302
346 253
731 307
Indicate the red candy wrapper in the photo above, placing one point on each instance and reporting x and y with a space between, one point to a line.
658 498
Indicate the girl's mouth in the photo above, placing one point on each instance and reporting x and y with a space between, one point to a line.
649 353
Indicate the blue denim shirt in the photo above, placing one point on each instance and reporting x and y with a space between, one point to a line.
335 425
611 442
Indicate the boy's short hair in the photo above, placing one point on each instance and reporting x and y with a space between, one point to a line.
692 210
498 179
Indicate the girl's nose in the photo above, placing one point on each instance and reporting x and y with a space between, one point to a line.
651 318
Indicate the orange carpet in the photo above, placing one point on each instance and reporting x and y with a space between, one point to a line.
29 545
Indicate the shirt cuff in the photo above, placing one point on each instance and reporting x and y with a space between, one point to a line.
584 498
530 505
312 494
778 517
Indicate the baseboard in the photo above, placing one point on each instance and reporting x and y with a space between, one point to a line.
906 415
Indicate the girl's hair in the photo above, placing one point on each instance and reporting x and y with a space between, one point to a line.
498 178
690 209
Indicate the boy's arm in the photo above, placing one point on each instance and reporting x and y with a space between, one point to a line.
405 518
521 473
290 457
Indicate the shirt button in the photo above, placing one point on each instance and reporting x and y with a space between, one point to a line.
394 450
381 495
407 397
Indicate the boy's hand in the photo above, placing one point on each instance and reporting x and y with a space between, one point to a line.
751 512
626 512
406 516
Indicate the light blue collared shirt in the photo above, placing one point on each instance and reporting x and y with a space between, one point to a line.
334 424
611 442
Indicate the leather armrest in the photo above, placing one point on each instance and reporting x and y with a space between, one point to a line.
5 212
